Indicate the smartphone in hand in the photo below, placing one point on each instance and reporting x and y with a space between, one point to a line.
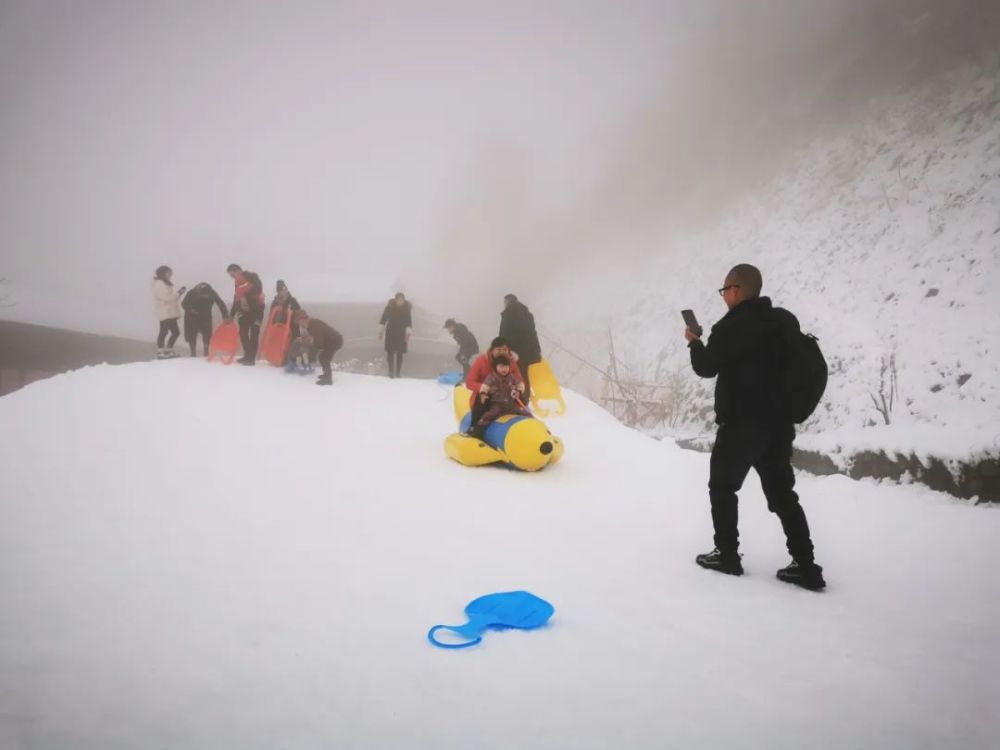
691 322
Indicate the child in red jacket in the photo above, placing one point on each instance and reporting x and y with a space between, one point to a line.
501 393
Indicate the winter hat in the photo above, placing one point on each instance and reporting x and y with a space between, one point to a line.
280 285
501 360
161 273
510 298
449 322
499 341
233 267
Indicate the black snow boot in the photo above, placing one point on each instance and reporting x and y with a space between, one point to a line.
324 380
723 562
808 575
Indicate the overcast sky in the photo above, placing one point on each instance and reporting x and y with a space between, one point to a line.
304 139
353 148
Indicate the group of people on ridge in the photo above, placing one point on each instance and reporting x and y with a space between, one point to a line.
316 340
310 338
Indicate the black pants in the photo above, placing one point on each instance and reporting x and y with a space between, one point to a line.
527 382
195 325
466 361
168 326
249 335
478 409
767 450
325 356
395 363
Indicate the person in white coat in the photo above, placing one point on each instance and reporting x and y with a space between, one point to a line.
167 304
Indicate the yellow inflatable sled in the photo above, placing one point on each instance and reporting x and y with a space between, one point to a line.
544 387
522 442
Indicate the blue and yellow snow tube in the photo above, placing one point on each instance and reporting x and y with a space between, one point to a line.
524 443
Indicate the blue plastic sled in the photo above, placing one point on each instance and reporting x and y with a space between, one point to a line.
450 378
298 368
509 609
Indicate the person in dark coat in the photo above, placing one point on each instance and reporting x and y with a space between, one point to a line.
743 352
289 307
517 326
396 327
324 342
197 306
468 347
248 302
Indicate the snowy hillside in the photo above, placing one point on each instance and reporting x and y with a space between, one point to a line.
194 556
884 241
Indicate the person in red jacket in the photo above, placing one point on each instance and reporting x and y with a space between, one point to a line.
483 366
248 302
500 394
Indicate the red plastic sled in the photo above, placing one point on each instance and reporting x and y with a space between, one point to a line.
276 338
225 343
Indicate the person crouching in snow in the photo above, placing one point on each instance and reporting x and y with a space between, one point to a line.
499 394
325 343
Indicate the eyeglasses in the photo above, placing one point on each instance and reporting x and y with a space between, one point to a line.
727 287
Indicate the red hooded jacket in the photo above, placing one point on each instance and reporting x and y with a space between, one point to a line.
482 367
244 298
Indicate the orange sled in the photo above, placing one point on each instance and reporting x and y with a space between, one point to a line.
225 343
276 338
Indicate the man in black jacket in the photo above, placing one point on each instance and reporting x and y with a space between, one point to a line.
744 351
517 325
468 347
197 306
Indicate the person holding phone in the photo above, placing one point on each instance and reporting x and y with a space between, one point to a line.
743 354
166 303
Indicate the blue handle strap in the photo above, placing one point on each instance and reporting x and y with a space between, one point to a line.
472 630
459 630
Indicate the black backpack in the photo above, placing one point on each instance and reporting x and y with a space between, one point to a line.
802 372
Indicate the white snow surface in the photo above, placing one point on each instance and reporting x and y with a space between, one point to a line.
195 556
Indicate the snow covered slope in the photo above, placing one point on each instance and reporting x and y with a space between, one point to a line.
885 241
194 556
